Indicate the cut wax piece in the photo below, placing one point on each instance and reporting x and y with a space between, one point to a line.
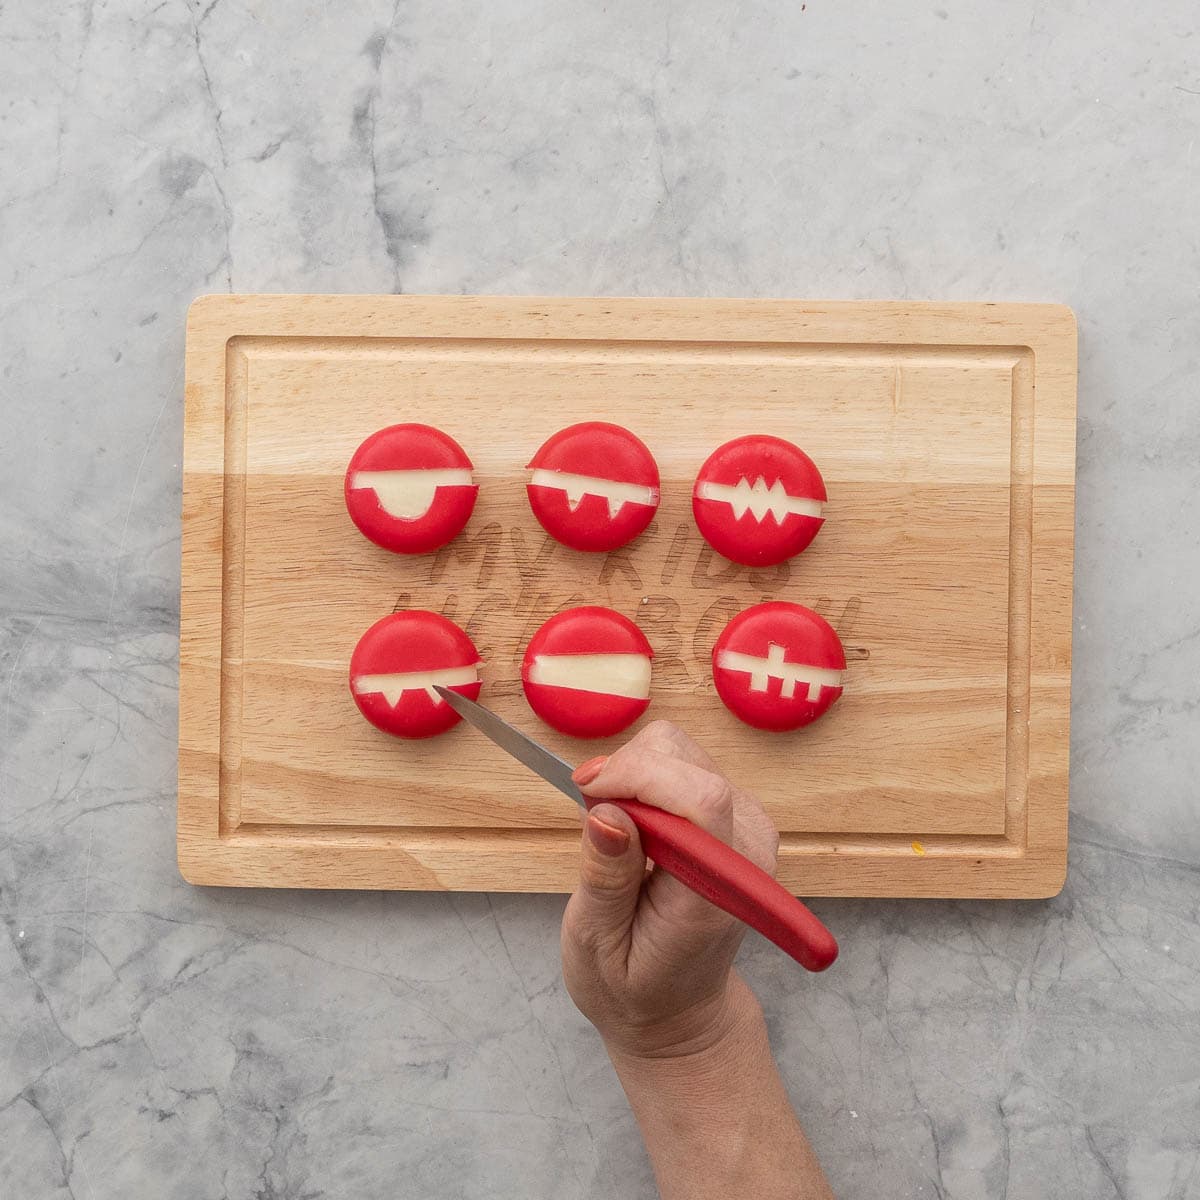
397 664
587 672
409 488
778 666
758 500
594 486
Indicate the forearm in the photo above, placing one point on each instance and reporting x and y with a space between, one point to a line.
716 1118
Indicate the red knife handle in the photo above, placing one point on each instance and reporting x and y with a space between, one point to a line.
731 881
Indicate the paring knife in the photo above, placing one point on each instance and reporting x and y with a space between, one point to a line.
697 859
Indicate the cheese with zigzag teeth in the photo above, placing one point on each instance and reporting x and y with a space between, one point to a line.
758 499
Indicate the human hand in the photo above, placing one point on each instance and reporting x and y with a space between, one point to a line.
646 960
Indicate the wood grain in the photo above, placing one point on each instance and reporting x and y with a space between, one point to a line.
946 437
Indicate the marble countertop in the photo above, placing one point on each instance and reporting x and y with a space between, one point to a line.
160 1040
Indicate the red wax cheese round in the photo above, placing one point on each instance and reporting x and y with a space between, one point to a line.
587 672
396 664
758 500
594 486
778 666
409 488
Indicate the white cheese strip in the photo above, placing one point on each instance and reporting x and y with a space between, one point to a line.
758 499
775 667
625 675
392 687
578 486
408 495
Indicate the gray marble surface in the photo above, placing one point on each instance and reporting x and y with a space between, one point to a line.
158 1040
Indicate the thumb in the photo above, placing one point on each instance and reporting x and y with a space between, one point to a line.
611 871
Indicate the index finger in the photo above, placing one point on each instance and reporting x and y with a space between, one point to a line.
671 740
754 833
701 797
638 773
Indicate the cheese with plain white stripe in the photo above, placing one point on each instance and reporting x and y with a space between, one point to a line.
624 675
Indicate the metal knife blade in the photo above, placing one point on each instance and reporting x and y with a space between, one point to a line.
523 748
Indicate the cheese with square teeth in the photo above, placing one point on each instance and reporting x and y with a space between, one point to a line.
775 666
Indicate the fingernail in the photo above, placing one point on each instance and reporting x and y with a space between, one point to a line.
610 841
586 772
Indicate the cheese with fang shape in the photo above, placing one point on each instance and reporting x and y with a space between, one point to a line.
397 664
594 486
392 687
576 487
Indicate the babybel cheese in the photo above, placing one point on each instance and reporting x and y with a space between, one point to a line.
778 666
758 500
398 663
586 672
409 488
593 486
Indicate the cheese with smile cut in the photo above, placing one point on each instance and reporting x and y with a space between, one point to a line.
409 495
409 488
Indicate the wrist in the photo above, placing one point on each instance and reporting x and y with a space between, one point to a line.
713 1112
702 1038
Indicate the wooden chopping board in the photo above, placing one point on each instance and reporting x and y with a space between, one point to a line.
945 433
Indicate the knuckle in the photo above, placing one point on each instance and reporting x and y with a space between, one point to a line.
598 877
662 735
661 727
621 753
762 840
583 935
771 842
715 795
670 740
767 830
637 761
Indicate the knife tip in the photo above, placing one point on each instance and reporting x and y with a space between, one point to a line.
456 700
